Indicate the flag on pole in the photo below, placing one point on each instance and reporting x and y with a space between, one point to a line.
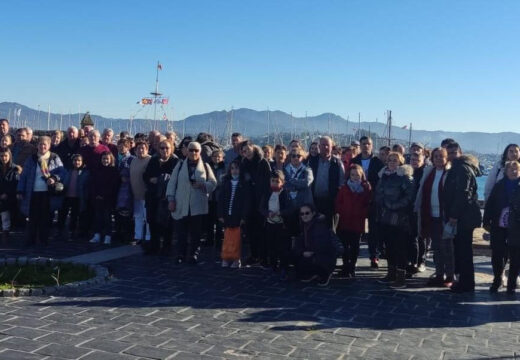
159 66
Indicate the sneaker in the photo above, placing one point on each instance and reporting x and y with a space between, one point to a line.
225 263
374 263
324 281
309 278
96 239
449 281
421 268
108 240
236 264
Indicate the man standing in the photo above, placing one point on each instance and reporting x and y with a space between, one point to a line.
106 139
234 152
371 165
462 213
4 127
329 175
70 146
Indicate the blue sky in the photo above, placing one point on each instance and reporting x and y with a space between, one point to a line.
451 65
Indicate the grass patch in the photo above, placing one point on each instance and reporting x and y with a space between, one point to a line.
34 276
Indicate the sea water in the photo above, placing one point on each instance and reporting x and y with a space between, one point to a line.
481 182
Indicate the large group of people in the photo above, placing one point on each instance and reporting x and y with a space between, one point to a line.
297 209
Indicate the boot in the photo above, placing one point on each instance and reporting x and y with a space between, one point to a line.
390 275
108 240
496 285
400 280
96 239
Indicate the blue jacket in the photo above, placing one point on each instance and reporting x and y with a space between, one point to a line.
28 176
81 187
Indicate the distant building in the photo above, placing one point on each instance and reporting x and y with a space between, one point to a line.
87 120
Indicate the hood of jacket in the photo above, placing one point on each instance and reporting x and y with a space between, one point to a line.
468 160
403 170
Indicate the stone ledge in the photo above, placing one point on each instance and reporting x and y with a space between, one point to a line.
102 276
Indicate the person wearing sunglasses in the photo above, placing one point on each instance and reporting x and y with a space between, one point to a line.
314 252
156 177
298 180
191 181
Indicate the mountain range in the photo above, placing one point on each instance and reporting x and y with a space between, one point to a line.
258 123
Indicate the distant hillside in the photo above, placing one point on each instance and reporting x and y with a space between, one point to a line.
254 123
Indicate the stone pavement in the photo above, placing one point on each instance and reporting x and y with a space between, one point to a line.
157 310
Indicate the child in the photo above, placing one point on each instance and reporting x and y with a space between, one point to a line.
232 206
103 191
352 203
214 228
76 197
275 206
9 175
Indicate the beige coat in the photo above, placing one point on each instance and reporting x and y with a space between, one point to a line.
187 198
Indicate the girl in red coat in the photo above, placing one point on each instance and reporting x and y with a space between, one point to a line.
352 203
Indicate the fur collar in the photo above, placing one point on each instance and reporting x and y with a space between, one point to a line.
403 170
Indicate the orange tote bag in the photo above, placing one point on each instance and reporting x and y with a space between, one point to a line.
232 245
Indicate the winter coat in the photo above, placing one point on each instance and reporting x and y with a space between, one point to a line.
8 184
496 202
28 176
285 204
82 187
207 149
219 170
22 150
395 194
319 241
513 230
301 184
125 199
241 202
353 208
229 156
92 156
105 183
495 175
155 199
334 174
258 173
374 168
65 152
189 200
460 192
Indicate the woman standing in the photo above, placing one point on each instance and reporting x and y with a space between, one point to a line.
314 253
511 153
39 190
156 177
187 192
394 197
314 152
280 156
298 180
256 172
429 209
496 218
137 168
9 175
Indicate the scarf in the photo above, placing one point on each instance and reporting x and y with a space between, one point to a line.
43 161
355 186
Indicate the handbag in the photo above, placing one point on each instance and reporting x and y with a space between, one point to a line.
232 244
56 188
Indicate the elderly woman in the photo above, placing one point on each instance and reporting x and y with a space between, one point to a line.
156 177
39 189
298 180
394 197
314 252
187 192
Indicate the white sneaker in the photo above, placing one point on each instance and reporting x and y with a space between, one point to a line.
95 239
225 263
108 239
236 264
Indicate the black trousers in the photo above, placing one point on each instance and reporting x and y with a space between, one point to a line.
396 241
214 229
158 230
102 217
124 226
417 244
255 235
305 267
278 244
325 206
39 218
191 226
463 251
375 241
514 267
71 207
499 253
350 242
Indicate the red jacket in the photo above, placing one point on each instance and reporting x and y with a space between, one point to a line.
353 208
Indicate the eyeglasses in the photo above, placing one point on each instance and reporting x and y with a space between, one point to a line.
305 213
193 150
296 156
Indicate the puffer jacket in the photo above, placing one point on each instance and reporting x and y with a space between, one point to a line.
396 191
460 192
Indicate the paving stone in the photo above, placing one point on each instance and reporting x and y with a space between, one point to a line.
19 355
105 345
149 352
63 351
20 344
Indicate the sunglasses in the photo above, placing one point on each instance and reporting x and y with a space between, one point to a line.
296 156
305 213
193 150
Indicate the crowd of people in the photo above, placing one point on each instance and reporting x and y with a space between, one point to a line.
297 209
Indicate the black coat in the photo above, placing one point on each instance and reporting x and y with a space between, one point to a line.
285 204
374 168
460 197
241 203
496 202
155 198
320 242
513 231
258 173
65 152
8 184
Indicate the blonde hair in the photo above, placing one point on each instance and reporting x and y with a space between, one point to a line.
398 155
